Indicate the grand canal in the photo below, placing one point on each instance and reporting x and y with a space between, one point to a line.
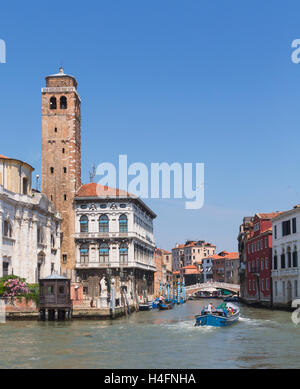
261 339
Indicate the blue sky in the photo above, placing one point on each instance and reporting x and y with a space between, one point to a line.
167 81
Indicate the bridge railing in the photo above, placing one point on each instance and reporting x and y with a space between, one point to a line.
220 285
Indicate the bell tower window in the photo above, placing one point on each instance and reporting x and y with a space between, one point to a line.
53 103
63 102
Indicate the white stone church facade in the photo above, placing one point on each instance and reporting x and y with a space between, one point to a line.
29 225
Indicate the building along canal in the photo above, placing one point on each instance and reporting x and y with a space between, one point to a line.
261 338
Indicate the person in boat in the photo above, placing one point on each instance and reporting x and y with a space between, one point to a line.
230 310
210 308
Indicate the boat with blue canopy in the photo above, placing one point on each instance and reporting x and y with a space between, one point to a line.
224 315
163 305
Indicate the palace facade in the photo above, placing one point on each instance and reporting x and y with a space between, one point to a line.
285 263
113 240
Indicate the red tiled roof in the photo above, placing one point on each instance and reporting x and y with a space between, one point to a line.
233 255
193 243
181 246
166 252
270 215
95 190
192 271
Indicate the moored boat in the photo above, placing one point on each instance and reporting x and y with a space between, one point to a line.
145 307
224 315
155 303
233 299
163 306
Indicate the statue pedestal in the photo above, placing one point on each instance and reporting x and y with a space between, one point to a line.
102 302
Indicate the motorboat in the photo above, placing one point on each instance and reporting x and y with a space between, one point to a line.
224 315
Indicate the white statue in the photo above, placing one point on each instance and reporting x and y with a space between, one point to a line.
103 287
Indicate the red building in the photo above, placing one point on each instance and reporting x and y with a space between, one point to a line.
225 267
259 260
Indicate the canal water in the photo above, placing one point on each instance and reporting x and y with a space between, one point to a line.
260 339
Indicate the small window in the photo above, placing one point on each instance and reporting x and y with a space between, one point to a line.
83 206
65 197
5 269
25 186
64 258
51 170
65 170
122 205
7 229
50 290
53 103
85 290
55 129
275 262
103 206
63 151
61 290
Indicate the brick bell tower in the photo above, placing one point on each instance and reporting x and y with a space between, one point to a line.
61 156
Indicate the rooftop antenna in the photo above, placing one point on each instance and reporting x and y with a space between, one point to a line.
92 173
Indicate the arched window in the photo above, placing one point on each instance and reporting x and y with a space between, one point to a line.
63 102
103 223
104 253
53 103
123 223
84 224
84 253
52 242
295 257
40 235
123 253
7 230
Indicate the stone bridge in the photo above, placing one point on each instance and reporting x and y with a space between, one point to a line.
192 289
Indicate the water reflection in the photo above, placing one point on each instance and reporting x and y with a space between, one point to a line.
154 339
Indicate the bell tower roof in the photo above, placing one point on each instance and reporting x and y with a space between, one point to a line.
59 76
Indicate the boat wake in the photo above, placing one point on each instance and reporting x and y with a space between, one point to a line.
188 326
257 322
